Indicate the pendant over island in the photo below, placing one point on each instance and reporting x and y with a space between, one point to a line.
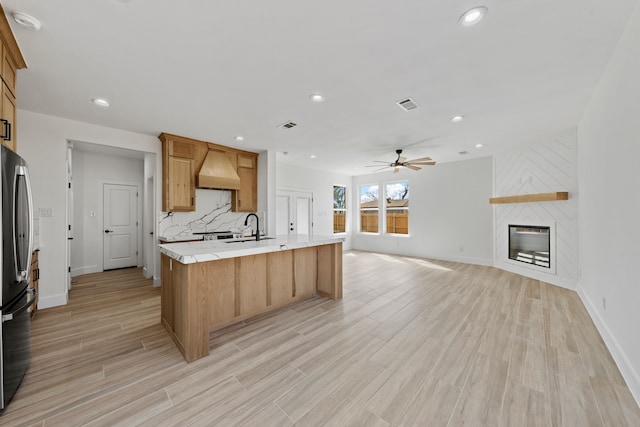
208 285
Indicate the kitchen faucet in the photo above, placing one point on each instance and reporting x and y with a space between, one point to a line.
246 221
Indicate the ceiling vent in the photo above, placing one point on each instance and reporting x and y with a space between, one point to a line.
463 153
288 125
407 104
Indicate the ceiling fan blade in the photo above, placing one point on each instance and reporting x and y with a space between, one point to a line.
379 161
401 160
421 159
381 169
421 163
415 168
396 170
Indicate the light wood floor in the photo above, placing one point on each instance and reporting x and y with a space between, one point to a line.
414 342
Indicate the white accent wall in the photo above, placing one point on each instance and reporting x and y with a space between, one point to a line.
609 173
545 166
90 171
450 217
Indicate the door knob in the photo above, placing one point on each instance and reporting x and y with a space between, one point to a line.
108 231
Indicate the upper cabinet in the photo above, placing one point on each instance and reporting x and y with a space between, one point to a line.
178 184
187 163
12 61
246 198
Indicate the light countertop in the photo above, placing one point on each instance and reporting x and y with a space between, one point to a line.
211 250
183 238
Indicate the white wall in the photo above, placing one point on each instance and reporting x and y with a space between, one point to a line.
609 176
90 171
267 165
42 141
449 213
151 267
290 177
545 166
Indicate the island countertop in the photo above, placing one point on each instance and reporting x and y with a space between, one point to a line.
211 250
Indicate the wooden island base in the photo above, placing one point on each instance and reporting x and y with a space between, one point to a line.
206 296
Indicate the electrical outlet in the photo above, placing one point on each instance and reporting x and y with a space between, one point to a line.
461 248
604 303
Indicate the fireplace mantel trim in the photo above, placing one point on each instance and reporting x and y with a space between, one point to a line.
527 198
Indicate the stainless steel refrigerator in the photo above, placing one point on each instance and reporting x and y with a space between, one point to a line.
16 297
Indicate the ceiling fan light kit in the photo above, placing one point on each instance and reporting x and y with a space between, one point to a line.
403 162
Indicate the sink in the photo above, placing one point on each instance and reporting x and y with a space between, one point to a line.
249 239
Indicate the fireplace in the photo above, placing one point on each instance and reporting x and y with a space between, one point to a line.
532 246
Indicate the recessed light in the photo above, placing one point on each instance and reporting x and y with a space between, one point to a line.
26 21
473 16
456 119
313 156
316 97
239 138
479 145
100 102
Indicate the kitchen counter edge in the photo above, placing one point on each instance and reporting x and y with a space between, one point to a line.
211 250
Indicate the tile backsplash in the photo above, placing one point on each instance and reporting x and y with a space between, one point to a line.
213 213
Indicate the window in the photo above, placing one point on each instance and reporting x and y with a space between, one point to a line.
397 207
369 209
339 209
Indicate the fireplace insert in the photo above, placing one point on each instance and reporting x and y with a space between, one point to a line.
530 244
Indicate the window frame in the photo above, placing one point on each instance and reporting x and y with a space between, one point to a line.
345 209
385 208
370 233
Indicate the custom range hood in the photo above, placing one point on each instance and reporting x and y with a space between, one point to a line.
218 172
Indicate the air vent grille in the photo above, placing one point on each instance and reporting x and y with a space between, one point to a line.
407 104
288 125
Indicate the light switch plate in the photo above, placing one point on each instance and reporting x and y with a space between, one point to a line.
46 212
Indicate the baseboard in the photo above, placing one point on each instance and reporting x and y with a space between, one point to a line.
53 301
87 269
464 260
627 370
543 277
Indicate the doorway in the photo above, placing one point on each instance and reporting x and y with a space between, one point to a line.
94 166
294 213
120 225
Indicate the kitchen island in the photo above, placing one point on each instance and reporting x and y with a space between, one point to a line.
212 284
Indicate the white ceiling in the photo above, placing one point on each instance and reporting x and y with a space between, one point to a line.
212 70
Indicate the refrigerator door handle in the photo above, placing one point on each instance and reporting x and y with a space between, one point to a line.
9 316
23 274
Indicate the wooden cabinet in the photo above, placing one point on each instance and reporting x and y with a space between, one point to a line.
11 61
34 280
178 176
246 198
8 116
166 291
182 159
206 296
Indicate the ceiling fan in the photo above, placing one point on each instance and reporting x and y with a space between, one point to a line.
403 162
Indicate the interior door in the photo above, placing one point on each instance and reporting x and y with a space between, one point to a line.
294 213
120 220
